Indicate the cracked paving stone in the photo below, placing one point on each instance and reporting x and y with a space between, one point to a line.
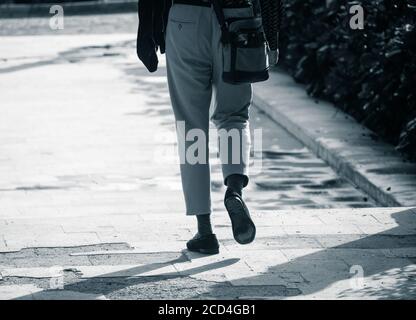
47 257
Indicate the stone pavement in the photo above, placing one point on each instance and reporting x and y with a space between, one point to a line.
91 204
310 254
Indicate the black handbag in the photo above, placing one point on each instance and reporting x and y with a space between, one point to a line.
245 48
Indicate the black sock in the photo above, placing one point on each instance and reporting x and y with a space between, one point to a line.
236 183
204 224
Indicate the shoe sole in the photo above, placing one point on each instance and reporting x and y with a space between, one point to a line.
242 218
205 251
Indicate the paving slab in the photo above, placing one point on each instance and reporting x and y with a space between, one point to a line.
10 292
49 272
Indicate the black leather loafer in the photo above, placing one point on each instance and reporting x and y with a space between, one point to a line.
244 230
207 244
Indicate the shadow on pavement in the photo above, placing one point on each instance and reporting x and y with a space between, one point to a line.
129 277
72 56
322 269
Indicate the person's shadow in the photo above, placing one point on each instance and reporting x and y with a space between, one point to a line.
96 287
380 256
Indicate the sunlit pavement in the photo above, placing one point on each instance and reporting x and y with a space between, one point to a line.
91 203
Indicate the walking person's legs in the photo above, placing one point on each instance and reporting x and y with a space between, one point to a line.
231 117
189 65
194 64
189 79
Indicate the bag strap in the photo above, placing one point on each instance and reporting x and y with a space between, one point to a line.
219 12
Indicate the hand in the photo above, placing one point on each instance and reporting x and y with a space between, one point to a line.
146 45
146 51
159 38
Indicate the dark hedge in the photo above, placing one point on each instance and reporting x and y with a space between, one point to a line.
369 73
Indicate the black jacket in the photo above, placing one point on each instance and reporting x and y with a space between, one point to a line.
153 18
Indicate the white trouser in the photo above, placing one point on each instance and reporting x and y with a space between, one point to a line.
198 94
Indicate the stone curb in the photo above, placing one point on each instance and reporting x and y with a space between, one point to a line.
348 147
74 8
